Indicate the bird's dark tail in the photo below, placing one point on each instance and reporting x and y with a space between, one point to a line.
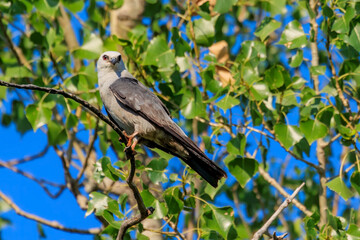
206 168
184 148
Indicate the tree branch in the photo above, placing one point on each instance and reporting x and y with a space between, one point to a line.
41 182
144 212
282 191
84 103
14 162
321 144
53 224
286 203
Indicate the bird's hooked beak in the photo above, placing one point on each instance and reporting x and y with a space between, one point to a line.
115 60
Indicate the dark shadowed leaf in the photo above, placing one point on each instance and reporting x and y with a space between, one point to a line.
173 200
243 169
218 219
355 181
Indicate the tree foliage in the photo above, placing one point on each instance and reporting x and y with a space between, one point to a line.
269 89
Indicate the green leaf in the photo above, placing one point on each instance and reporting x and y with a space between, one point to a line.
183 62
218 219
317 70
259 91
267 26
159 54
155 170
208 144
297 59
353 232
337 185
74 5
98 202
56 133
195 106
38 116
160 210
172 198
354 39
342 24
293 36
71 121
180 45
47 7
98 173
227 102
18 72
313 130
355 181
108 169
147 197
288 135
122 201
91 49
204 32
274 7
237 145
223 6
274 77
243 169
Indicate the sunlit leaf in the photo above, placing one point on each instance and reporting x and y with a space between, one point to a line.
267 26
288 135
293 36
338 186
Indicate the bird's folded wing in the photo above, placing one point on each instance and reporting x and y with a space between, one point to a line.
141 100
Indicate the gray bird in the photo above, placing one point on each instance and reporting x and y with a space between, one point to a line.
145 119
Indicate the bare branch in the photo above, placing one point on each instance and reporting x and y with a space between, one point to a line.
41 182
15 50
282 191
84 103
53 224
286 203
144 212
69 34
91 146
14 162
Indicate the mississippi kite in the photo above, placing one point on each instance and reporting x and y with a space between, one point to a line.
145 119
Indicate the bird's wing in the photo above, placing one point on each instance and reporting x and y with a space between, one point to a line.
141 100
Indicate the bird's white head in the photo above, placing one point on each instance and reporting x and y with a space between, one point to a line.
110 67
110 61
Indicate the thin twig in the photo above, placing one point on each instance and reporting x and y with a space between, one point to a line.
14 162
53 224
41 182
286 203
85 164
282 191
144 212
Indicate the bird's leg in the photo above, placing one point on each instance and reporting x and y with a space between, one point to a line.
131 141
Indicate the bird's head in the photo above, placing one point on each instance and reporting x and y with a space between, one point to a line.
110 61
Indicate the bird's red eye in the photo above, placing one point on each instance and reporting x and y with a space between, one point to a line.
105 57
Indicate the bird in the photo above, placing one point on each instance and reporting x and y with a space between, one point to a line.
144 118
